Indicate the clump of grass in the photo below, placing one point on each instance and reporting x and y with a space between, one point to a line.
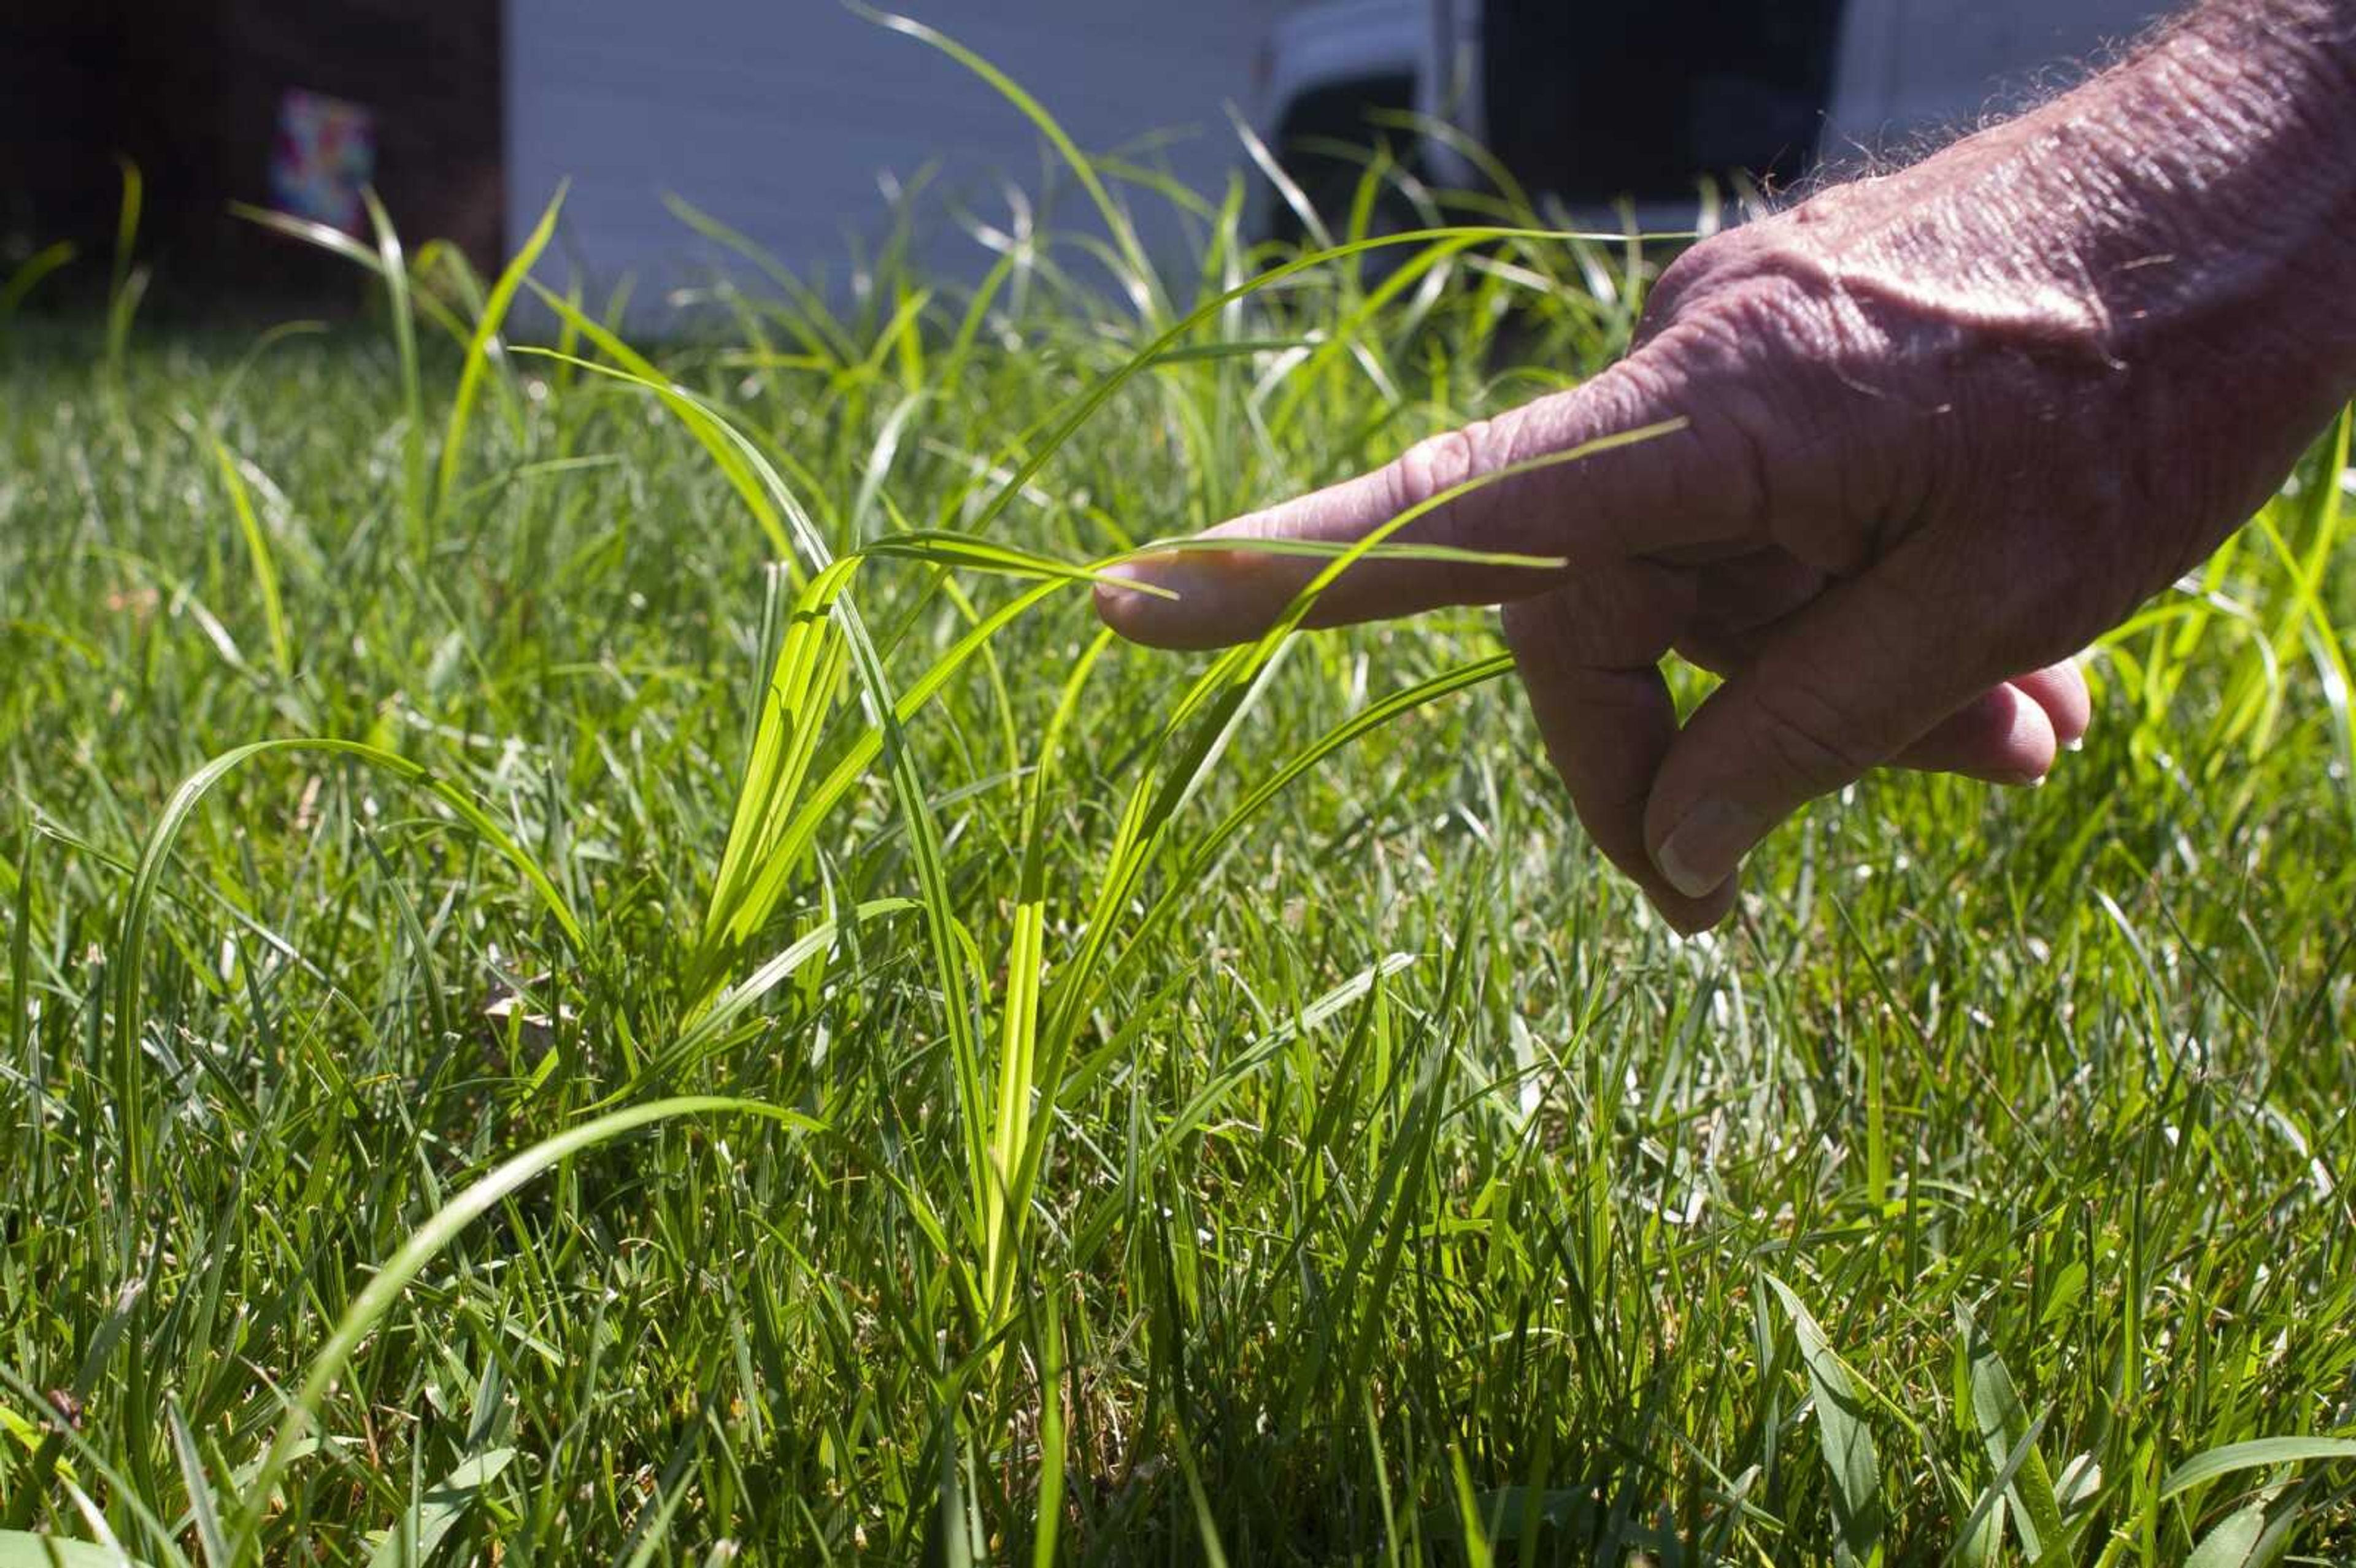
633 977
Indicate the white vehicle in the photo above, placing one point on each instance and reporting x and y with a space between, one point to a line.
1631 102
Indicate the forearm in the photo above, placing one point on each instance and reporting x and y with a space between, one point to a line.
2212 178
2182 230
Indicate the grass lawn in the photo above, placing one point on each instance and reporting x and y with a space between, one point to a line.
603 974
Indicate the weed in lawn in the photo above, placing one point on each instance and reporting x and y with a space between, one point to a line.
635 973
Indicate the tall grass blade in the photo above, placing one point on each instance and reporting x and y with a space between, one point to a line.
1005 1190
1049 1515
1137 272
795 701
710 431
259 556
413 1539
155 854
397 292
484 348
201 1512
2004 1423
28 274
2261 1453
385 1287
1851 1462
129 281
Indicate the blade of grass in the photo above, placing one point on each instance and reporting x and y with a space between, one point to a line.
201 1512
709 431
28 274
2002 1421
394 270
1137 275
2261 1453
1851 1463
386 1286
258 553
1004 1187
413 1538
128 283
155 854
484 346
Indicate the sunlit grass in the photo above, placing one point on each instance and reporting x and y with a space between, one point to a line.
633 973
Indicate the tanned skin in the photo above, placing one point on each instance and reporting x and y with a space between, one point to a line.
1944 427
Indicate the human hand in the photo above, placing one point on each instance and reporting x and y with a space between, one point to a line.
1942 429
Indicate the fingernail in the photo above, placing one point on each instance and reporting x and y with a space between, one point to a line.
1707 847
1130 608
1118 602
2023 780
2079 745
1207 598
1155 568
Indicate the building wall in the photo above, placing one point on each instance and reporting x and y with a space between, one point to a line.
779 116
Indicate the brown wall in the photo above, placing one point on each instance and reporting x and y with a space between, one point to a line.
189 89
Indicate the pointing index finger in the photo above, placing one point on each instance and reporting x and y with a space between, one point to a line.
1490 512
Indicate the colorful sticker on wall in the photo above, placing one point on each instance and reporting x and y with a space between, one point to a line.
323 154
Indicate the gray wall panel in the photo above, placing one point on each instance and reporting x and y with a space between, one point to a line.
777 116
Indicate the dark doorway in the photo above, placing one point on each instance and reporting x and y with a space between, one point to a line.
193 92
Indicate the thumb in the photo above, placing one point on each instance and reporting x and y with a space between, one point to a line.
1846 684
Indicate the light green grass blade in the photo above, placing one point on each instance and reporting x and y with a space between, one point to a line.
793 709
2262 1453
259 556
1005 1189
394 269
129 281
412 1543
1050 1351
1206 1525
336 242
1852 1464
385 1286
1471 1534
2003 1424
810 320
942 548
155 854
201 1512
1329 549
1139 276
637 370
2234 1543
23 1549
485 347
802 829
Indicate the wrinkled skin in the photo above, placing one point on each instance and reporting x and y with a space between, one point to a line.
1942 429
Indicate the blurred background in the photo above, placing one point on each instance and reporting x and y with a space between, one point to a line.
801 122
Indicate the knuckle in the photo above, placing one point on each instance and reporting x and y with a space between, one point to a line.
1740 426
1435 466
1698 272
1678 283
1812 403
1429 470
